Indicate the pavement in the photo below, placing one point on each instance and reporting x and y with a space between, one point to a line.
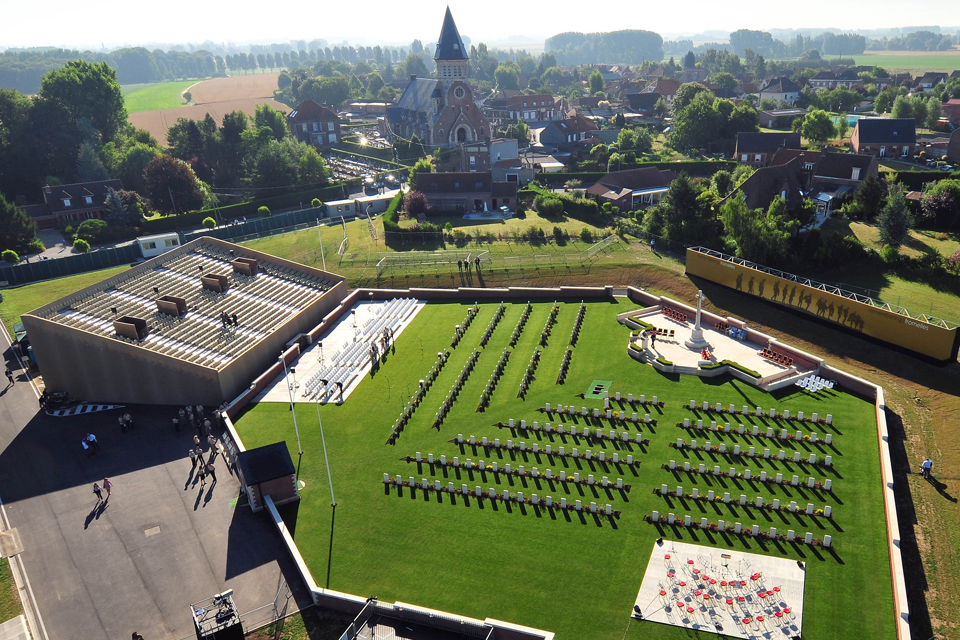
162 541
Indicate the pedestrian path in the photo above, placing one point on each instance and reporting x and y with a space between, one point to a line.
83 408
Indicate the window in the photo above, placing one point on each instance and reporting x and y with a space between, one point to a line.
88 199
315 126
170 243
808 166
855 174
459 93
333 138
330 126
66 202
149 245
758 157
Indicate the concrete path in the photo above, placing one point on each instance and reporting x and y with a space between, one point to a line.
102 570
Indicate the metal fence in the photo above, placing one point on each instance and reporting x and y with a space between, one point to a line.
27 272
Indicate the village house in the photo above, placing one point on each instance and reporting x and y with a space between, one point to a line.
665 87
633 188
757 148
72 203
533 108
766 183
314 124
953 148
951 111
466 192
566 133
780 89
884 137
780 118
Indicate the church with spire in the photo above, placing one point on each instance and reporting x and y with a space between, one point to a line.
441 111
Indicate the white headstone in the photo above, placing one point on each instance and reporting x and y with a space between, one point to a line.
686 521
671 518
827 540
737 527
828 484
827 510
779 478
755 530
743 499
808 537
695 494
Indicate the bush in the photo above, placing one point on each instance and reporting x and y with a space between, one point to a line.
69 231
890 255
415 203
81 245
10 256
390 215
263 212
548 205
91 230
209 223
36 246
953 262
586 235
316 203
448 227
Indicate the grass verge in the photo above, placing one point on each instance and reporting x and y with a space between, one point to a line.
153 97
10 605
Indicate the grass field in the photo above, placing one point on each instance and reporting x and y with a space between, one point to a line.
18 301
162 95
911 60
9 598
576 576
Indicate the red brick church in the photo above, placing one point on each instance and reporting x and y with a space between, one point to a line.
441 111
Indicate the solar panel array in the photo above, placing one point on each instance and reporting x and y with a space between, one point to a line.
261 302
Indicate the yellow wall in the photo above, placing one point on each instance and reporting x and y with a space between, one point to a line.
915 335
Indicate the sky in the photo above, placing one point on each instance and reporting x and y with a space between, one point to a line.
115 23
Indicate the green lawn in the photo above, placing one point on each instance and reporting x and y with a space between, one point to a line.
18 301
151 97
911 61
9 598
577 577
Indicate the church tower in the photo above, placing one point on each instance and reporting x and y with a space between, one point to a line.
451 56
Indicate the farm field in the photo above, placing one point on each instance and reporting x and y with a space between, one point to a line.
153 97
575 574
917 61
217 97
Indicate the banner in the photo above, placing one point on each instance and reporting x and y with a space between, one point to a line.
914 334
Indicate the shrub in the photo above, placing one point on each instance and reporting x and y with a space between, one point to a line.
69 231
10 256
91 230
890 255
586 235
81 245
548 205
953 262
209 223
316 203
390 215
36 246
558 234
415 203
448 227
264 212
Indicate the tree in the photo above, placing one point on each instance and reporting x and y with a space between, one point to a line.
275 166
332 91
91 230
934 111
842 126
312 170
414 64
423 165
941 204
209 223
267 116
902 107
118 215
686 93
725 80
415 203
895 220
868 197
759 236
596 83
87 90
644 141
17 229
81 245
818 127
689 60
722 182
89 166
626 139
374 84
507 76
136 157
166 176
697 124
264 212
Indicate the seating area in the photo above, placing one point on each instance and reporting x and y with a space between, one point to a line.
347 363
255 305
666 333
674 314
778 358
815 383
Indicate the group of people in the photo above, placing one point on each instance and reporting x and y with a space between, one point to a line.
204 426
126 422
98 489
90 444
227 319
465 264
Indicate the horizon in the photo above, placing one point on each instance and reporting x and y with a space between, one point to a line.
74 24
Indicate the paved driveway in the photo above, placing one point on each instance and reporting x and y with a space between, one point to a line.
161 542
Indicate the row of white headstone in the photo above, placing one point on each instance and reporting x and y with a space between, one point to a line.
747 475
738 528
758 502
505 494
534 473
732 409
755 431
548 449
573 430
752 453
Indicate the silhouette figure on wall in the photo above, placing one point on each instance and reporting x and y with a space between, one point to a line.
793 293
763 283
776 291
739 282
750 285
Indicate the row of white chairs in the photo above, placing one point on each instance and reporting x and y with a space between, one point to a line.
815 383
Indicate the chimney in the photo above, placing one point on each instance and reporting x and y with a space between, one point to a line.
413 77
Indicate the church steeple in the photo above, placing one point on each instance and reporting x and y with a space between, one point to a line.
450 46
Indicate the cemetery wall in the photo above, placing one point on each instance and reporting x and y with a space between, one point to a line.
913 335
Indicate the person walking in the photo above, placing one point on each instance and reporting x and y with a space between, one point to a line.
176 424
129 420
193 458
199 453
207 427
10 379
196 441
92 440
925 468
107 486
123 424
212 472
203 475
87 448
96 490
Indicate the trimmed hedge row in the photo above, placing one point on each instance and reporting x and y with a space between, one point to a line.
691 168
914 180
390 215
244 209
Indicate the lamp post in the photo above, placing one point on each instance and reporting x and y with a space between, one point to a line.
293 410
333 501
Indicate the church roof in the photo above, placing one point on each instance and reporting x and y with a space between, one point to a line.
450 46
419 94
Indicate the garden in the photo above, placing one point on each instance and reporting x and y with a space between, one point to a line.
531 499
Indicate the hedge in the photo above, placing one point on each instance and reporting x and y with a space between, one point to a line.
691 168
731 363
244 209
365 150
914 180
390 215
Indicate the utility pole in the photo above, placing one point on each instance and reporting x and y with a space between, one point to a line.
320 236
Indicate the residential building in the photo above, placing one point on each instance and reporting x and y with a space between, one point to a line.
533 108
953 149
441 111
838 174
366 108
766 183
929 80
466 192
780 89
848 79
808 164
757 148
566 133
633 188
314 124
951 111
643 103
72 203
666 87
884 137
780 118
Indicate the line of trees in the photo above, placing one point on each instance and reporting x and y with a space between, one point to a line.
631 46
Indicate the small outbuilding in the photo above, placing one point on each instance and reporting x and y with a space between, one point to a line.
268 471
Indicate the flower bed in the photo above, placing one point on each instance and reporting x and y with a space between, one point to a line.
461 328
418 395
548 451
494 378
455 389
515 338
533 474
516 498
485 338
529 373
572 431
